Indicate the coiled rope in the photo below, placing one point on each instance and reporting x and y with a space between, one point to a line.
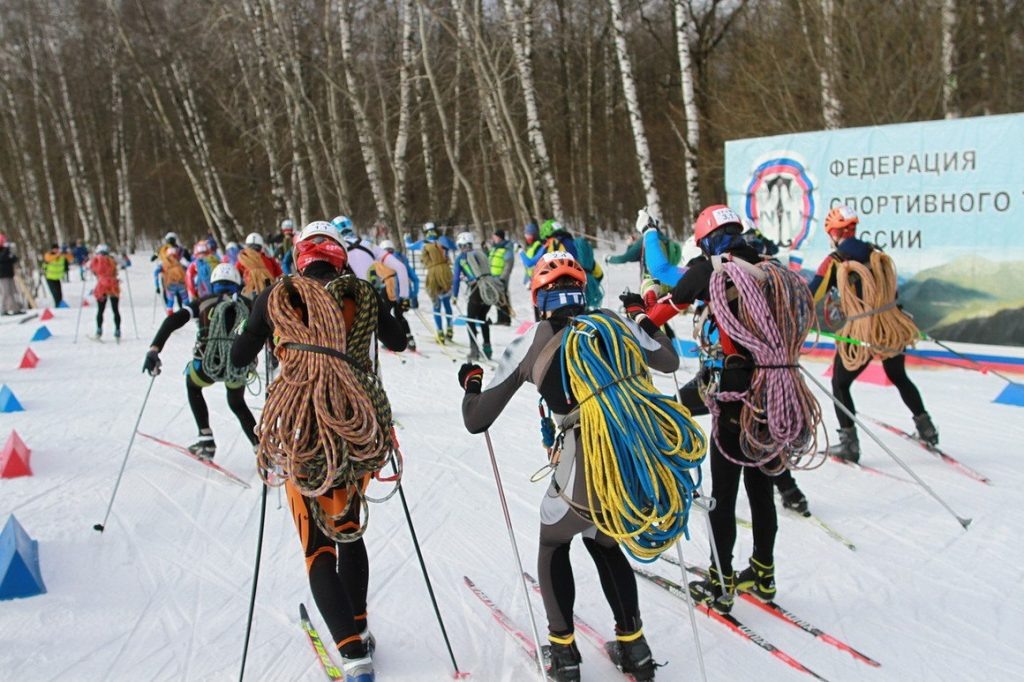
327 421
257 277
491 291
872 316
217 356
639 446
780 416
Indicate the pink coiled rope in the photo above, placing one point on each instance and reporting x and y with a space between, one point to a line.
780 416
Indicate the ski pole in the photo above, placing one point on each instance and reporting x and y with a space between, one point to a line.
964 522
131 303
423 567
515 552
472 332
156 299
981 368
908 351
690 608
78 319
101 526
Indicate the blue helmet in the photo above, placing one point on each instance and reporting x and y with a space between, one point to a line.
344 224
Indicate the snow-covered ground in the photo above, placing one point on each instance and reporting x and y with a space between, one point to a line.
163 593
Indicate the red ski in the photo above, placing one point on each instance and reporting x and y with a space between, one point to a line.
948 459
205 462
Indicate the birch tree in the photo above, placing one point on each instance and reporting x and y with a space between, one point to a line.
690 112
949 84
401 165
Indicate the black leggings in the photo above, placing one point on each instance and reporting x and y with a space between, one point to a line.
895 368
476 309
55 291
236 401
101 304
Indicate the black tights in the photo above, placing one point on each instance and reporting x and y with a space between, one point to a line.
895 368
476 309
101 304
236 401
339 588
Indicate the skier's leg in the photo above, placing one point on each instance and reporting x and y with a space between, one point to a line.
762 513
194 385
842 381
617 580
115 303
896 369
236 401
101 304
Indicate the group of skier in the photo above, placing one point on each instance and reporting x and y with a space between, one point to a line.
342 291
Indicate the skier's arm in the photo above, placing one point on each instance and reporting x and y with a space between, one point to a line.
481 408
258 328
824 277
692 286
171 324
632 254
656 261
506 271
389 329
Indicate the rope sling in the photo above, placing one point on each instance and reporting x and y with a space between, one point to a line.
217 355
872 316
639 445
327 421
780 416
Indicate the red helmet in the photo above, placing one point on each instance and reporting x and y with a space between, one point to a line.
712 218
554 266
201 248
841 221
3 239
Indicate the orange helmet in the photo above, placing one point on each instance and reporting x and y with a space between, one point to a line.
554 266
842 219
712 218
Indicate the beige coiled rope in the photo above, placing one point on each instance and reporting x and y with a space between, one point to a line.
874 316
327 421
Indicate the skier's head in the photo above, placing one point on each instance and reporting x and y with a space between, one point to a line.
3 240
202 248
430 232
841 222
387 245
225 279
287 227
254 241
320 241
171 238
558 282
343 224
498 237
464 241
718 229
549 227
765 247
531 232
101 249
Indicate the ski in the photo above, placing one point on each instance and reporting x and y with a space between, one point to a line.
781 613
811 518
332 671
589 632
205 462
529 647
948 459
727 620
863 467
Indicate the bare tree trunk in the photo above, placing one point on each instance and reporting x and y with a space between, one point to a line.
522 30
401 164
453 201
44 149
949 82
18 136
643 153
831 108
428 154
690 111
125 232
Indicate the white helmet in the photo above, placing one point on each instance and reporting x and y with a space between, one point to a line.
319 228
464 239
387 244
287 224
343 223
226 272
170 237
102 248
427 227
254 239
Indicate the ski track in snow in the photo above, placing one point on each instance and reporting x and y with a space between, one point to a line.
163 593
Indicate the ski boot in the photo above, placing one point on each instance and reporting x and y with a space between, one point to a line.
848 447
449 334
204 447
410 342
474 352
488 351
714 592
99 333
440 337
117 334
358 669
794 500
563 658
926 431
758 580
631 654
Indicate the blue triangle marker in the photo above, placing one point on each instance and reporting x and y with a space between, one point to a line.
19 563
63 304
42 333
1013 394
9 403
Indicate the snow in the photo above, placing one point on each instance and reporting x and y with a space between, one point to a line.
163 593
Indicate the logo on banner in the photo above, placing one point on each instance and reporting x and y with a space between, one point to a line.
781 198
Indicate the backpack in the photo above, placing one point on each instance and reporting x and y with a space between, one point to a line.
202 280
594 292
173 270
257 277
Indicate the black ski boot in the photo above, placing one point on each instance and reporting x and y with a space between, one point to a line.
926 431
410 342
632 655
758 580
204 447
794 499
449 334
563 658
848 447
714 592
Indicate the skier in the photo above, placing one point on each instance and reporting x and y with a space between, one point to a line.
502 258
557 238
361 256
439 284
80 252
558 292
170 273
392 277
718 233
198 272
55 264
471 265
218 317
841 226
431 233
258 269
104 267
285 252
338 571
8 290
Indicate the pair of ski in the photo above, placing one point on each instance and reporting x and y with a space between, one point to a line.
205 462
730 621
946 458
810 518
526 642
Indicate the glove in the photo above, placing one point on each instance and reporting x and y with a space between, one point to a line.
645 221
471 377
414 303
607 258
152 362
633 303
404 305
158 290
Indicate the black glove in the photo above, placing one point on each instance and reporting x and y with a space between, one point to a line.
158 289
403 305
633 303
152 362
471 377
